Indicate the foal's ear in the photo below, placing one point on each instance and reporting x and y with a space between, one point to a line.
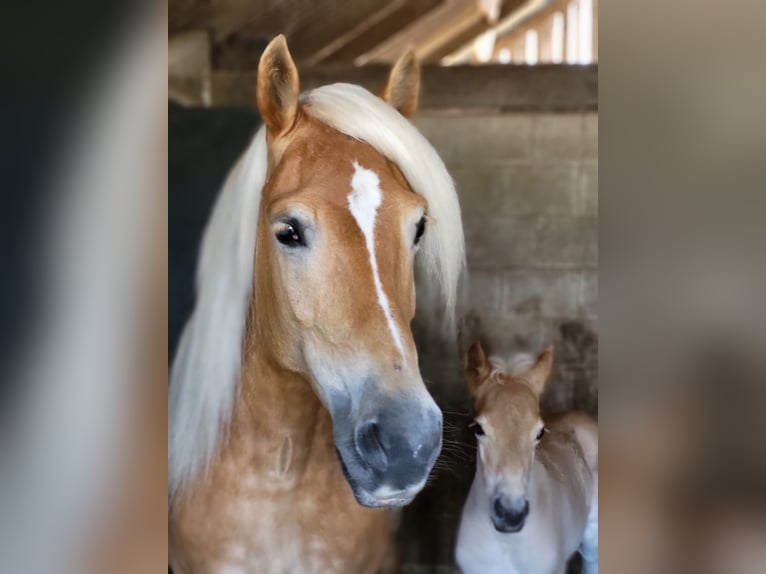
278 87
539 373
477 367
404 84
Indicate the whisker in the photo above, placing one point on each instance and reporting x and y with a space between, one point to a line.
457 443
456 457
456 413
457 452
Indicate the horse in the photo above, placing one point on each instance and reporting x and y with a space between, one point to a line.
298 418
534 498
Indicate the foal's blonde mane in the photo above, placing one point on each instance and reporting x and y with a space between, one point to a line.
513 366
206 369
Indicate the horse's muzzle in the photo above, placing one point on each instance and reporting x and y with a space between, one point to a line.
508 517
394 448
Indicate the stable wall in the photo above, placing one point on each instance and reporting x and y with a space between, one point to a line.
528 187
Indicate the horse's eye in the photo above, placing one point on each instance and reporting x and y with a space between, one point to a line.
421 229
290 234
541 433
477 430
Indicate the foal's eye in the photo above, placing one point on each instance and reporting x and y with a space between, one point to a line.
420 230
477 430
541 433
290 234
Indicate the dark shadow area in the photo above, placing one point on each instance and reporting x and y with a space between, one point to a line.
202 146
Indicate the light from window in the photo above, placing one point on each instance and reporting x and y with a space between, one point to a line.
585 31
572 42
530 47
484 45
557 38
504 56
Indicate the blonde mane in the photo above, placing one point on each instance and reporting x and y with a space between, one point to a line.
512 366
205 372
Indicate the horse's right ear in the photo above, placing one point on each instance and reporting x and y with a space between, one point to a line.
403 88
539 373
476 367
278 87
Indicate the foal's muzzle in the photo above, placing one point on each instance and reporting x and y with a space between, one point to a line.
507 515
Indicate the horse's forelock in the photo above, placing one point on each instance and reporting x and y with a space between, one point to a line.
358 113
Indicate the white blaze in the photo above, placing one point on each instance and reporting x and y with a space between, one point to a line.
363 202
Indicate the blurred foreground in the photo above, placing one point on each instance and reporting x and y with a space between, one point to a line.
682 318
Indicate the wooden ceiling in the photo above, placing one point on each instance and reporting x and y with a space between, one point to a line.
326 32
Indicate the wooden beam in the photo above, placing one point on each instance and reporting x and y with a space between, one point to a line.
509 24
470 34
446 19
314 33
399 17
328 21
360 29
514 35
478 89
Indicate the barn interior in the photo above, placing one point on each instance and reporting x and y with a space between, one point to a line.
510 101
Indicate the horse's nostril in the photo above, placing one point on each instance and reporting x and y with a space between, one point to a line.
397 445
509 516
499 508
370 447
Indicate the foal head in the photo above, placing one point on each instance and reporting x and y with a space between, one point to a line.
508 430
338 232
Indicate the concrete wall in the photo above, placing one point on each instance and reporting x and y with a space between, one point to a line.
528 185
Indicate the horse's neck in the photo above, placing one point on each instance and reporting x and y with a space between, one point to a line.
279 419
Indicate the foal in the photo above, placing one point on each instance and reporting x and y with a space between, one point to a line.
533 501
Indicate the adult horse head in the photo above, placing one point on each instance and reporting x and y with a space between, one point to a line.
338 234
314 241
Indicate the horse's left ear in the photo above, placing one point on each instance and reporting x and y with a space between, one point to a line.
403 86
476 367
278 87
539 373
